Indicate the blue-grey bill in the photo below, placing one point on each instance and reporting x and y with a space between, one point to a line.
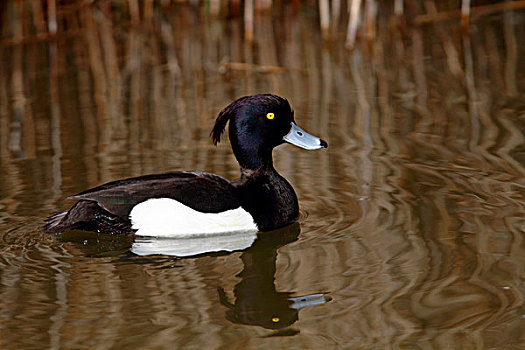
308 300
301 138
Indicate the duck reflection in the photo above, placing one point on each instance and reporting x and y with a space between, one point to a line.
194 246
98 244
256 300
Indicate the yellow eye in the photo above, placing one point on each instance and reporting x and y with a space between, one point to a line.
275 319
270 115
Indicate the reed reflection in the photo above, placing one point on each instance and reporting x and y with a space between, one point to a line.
256 300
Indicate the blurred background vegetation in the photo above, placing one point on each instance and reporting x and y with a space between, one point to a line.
123 81
344 21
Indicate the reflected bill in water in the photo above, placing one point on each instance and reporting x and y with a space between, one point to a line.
256 300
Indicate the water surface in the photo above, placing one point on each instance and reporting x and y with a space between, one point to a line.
412 221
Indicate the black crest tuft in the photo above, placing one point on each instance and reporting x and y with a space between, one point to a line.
220 125
223 118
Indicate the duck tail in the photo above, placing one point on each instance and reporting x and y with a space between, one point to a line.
88 216
78 214
54 223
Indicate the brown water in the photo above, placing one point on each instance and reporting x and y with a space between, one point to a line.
412 221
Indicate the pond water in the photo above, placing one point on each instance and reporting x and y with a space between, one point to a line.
412 222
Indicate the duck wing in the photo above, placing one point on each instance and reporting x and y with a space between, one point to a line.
203 192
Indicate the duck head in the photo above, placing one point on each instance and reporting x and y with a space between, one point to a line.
258 124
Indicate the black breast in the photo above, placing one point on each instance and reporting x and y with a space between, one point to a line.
269 198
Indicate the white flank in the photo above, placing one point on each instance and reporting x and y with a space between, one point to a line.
165 217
